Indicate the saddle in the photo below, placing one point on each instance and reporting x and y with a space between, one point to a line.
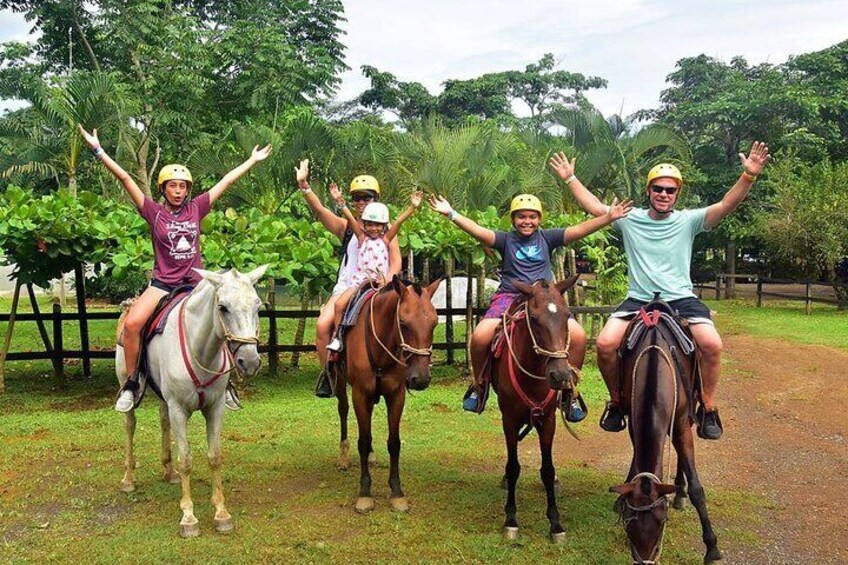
675 329
486 376
335 360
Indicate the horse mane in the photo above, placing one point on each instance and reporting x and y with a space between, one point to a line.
419 290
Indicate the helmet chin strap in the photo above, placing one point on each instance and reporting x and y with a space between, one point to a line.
667 212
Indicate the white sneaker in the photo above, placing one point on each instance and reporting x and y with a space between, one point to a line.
335 345
230 401
125 402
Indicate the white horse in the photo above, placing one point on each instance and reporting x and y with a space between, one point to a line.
214 330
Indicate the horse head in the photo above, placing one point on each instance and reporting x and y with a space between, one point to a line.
237 311
642 507
547 322
416 320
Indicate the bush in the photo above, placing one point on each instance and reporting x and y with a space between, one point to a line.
115 290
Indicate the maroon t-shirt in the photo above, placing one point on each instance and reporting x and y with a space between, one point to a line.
176 239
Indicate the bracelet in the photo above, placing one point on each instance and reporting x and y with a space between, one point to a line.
749 176
571 178
341 205
306 190
452 215
98 151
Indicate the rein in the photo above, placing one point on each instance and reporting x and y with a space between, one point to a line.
404 347
189 359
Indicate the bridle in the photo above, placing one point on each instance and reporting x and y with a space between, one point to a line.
539 350
630 513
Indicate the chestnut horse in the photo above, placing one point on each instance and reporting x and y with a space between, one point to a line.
530 374
658 393
387 352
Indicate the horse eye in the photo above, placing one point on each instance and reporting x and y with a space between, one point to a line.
222 308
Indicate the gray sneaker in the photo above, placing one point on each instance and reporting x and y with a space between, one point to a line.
125 402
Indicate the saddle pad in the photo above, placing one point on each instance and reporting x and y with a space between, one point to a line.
685 342
357 301
157 322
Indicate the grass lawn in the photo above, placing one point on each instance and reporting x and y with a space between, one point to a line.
62 462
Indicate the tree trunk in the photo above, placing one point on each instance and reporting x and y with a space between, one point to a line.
7 341
730 282
449 305
410 265
425 271
469 313
298 333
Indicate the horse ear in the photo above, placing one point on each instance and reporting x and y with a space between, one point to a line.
564 285
257 273
215 278
398 285
664 490
433 287
523 288
623 490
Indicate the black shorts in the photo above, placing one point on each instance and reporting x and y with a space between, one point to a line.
690 309
169 288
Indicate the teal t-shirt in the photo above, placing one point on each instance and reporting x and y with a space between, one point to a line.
659 252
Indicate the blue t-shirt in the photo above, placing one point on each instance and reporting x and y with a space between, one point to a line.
526 259
659 252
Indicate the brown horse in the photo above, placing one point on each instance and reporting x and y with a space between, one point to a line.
529 373
387 352
658 392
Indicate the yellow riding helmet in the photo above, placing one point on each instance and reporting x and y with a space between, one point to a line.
174 172
365 182
664 170
525 202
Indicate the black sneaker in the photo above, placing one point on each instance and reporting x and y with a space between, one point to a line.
323 387
709 423
612 419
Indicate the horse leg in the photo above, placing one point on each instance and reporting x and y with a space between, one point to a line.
343 406
546 439
685 447
214 419
363 406
179 422
170 476
513 469
128 482
680 486
394 409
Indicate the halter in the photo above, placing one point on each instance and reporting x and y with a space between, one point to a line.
634 511
189 359
405 347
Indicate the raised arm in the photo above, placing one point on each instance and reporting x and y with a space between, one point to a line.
585 199
752 166
334 224
583 229
129 184
256 155
351 219
415 202
472 228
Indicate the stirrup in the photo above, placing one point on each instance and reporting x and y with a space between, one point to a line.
323 386
574 408
612 418
231 399
711 429
137 385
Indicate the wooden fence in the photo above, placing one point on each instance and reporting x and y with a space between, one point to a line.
763 284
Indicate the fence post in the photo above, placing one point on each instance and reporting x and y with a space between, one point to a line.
718 286
759 292
79 283
7 341
449 305
58 346
807 295
273 356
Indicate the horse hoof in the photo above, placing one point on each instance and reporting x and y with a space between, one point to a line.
127 487
224 525
343 464
399 504
510 533
558 538
712 555
679 503
173 478
364 504
189 530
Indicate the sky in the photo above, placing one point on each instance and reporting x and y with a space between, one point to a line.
634 44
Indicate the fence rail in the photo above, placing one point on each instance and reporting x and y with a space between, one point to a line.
762 292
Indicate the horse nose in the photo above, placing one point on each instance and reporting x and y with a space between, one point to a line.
248 362
560 377
419 380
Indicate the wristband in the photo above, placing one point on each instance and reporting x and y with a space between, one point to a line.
306 190
749 176
452 215
571 178
98 151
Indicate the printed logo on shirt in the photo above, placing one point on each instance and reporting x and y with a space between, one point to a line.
529 253
183 240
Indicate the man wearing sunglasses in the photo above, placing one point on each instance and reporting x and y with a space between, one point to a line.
658 245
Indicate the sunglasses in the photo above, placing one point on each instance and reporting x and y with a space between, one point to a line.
362 198
670 190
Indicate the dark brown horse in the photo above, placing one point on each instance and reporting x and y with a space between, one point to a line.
387 352
657 392
529 373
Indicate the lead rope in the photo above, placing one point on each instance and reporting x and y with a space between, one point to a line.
658 550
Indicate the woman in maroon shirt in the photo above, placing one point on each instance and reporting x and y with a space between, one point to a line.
175 229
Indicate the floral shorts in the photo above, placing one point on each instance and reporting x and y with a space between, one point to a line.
500 303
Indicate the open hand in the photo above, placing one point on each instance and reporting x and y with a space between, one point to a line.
336 193
619 210
260 154
301 172
561 166
756 159
440 205
90 138
416 197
